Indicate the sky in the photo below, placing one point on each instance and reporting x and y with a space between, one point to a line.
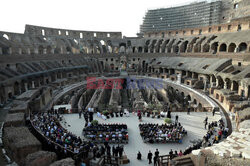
94 15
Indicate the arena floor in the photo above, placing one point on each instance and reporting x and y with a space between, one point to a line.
193 123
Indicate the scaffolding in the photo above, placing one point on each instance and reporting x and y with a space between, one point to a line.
188 16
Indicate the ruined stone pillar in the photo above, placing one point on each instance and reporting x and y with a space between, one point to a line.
10 50
217 82
205 84
36 50
136 50
52 51
178 78
20 51
26 86
28 51
225 85
33 84
1 51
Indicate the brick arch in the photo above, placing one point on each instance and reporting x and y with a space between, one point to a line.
223 47
231 47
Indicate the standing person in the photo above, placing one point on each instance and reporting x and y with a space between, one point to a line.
120 151
139 155
157 153
91 112
169 114
171 154
139 115
155 160
108 150
205 124
205 121
113 150
214 111
176 118
80 114
150 155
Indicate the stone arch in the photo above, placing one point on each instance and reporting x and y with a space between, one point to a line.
163 47
129 43
110 47
158 46
220 82
197 46
214 47
140 49
191 44
122 47
146 46
183 46
152 46
213 79
161 70
40 49
247 75
235 86
103 44
176 49
57 50
5 50
97 48
169 46
112 66
49 50
68 50
242 47
206 47
231 47
223 47
16 88
149 69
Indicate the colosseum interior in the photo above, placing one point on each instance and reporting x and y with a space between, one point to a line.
53 82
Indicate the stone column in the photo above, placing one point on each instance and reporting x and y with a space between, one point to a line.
1 51
179 78
52 51
20 51
36 50
217 82
26 86
28 51
10 50
33 84
225 85
205 84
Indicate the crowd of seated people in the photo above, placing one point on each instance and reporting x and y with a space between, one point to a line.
155 133
48 125
114 133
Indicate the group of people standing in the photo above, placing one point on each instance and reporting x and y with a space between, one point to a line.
88 115
150 157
